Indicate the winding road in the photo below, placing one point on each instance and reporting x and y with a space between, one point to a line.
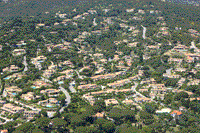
144 32
138 93
67 100
25 64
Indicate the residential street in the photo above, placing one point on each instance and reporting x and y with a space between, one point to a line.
25 64
67 100
71 87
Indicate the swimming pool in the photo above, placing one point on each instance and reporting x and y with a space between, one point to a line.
49 106
7 78
33 87
14 93
60 82
40 61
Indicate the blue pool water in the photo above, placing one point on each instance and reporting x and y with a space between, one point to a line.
60 82
7 78
40 61
14 93
49 106
33 87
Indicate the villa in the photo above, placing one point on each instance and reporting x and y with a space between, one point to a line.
12 108
49 102
28 96
109 102
87 87
50 92
11 91
30 114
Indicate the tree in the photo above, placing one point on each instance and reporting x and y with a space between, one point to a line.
26 127
180 95
168 99
122 115
171 82
77 121
10 126
146 117
37 131
108 127
99 106
86 130
150 108
183 120
42 122
43 112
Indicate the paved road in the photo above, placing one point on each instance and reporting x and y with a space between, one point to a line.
27 106
6 119
67 100
193 46
71 86
138 93
144 32
25 64
79 76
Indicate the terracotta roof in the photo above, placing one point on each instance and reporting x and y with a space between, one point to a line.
176 112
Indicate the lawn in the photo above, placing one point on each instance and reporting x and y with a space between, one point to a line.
82 109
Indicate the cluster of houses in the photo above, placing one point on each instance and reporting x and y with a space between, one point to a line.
11 68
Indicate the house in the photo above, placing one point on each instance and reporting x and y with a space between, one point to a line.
182 108
176 114
192 57
67 63
2 102
49 102
87 87
92 11
163 111
1 47
181 48
50 92
143 90
180 70
148 81
40 25
11 91
157 86
28 96
128 102
153 47
98 115
175 60
30 114
11 68
130 10
78 17
68 72
140 72
98 55
119 83
12 108
134 78
39 84
109 102
178 91
175 76
141 11
142 100
194 82
19 51
4 131
181 81
62 15
88 97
